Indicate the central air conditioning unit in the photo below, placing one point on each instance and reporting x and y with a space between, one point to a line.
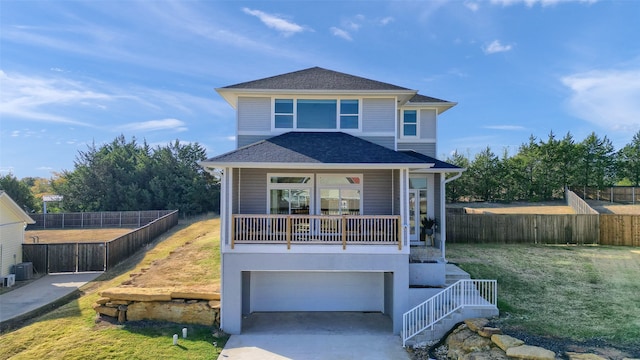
23 271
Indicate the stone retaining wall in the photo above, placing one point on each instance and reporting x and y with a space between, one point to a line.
160 304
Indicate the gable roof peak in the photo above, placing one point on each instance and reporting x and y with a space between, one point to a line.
317 78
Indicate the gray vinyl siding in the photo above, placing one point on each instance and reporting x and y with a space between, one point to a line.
254 113
396 192
253 191
244 140
377 194
427 124
428 149
378 115
386 141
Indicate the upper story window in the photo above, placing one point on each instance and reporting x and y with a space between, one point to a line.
283 113
409 123
317 114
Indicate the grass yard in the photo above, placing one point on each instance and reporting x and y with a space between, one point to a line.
581 293
72 332
72 236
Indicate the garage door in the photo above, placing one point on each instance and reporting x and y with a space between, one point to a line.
316 291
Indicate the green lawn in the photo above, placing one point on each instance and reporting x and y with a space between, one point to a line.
575 292
72 332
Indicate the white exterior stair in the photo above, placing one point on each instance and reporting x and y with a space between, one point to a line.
462 300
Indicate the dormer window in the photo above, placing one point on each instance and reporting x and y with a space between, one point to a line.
410 123
317 114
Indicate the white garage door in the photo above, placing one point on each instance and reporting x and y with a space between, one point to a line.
316 291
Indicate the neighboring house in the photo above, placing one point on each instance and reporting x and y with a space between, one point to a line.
324 196
13 221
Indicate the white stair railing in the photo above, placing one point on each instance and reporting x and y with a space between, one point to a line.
466 292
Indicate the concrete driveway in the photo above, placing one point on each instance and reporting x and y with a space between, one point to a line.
315 336
24 300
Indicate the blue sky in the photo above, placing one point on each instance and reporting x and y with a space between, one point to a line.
73 73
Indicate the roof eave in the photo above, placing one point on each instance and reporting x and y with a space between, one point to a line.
440 106
231 95
345 166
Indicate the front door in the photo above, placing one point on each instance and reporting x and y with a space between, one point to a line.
414 215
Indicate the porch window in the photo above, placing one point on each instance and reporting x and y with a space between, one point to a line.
410 123
290 193
340 194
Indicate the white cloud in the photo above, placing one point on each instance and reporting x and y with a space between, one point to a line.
473 6
531 3
155 125
608 98
387 20
496 47
275 22
505 127
341 33
26 96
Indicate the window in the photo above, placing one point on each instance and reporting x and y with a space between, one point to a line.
410 123
320 114
316 114
283 113
289 193
349 114
340 194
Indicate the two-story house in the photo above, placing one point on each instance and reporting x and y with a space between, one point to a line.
323 198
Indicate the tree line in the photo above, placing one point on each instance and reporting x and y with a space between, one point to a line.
541 169
125 176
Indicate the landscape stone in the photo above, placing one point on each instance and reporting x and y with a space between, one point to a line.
528 352
214 304
583 356
108 311
505 342
196 313
493 354
138 294
489 331
190 295
476 343
476 324
456 339
103 300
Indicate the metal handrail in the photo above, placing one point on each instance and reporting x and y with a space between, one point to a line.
463 293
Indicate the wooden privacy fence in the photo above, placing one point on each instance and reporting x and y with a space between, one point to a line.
79 257
617 194
110 219
603 229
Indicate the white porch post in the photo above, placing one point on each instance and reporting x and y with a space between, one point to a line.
404 205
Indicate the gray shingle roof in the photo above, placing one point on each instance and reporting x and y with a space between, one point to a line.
439 164
417 98
316 147
316 78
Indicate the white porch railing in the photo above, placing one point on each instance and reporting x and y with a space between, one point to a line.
316 229
464 293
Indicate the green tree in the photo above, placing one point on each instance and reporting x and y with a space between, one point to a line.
18 191
596 162
484 172
629 160
124 175
458 189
